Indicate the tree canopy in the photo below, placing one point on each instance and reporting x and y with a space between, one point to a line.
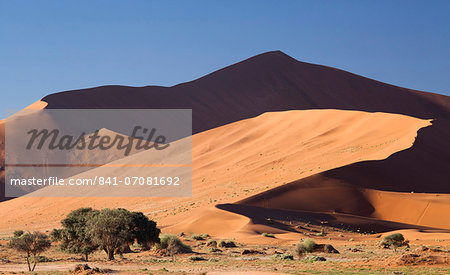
33 244
73 237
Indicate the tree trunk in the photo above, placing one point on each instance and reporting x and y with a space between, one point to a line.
86 257
28 261
110 254
34 265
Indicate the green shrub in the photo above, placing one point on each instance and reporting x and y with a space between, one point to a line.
199 237
172 244
283 257
315 259
213 260
226 243
394 240
196 258
211 243
307 245
43 259
269 235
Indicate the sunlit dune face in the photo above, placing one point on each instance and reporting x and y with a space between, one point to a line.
38 105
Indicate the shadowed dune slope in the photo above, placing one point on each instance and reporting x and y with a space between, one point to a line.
319 194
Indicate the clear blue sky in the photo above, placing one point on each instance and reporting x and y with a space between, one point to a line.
51 46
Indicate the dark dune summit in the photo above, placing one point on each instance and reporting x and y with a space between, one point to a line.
274 81
267 82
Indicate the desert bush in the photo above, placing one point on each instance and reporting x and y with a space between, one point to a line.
307 245
197 258
213 260
226 243
172 244
315 259
211 243
283 257
199 237
269 235
43 259
32 244
394 240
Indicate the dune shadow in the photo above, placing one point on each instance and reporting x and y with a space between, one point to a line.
286 219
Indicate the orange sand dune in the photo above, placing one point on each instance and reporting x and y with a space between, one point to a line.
38 105
421 209
274 81
243 159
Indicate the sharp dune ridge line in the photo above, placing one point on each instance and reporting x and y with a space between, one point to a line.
238 161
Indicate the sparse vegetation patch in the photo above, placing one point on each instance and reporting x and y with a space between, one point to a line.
305 246
227 243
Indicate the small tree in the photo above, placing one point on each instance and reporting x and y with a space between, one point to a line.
73 237
109 229
33 244
394 240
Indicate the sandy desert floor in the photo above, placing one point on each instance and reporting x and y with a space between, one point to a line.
358 254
